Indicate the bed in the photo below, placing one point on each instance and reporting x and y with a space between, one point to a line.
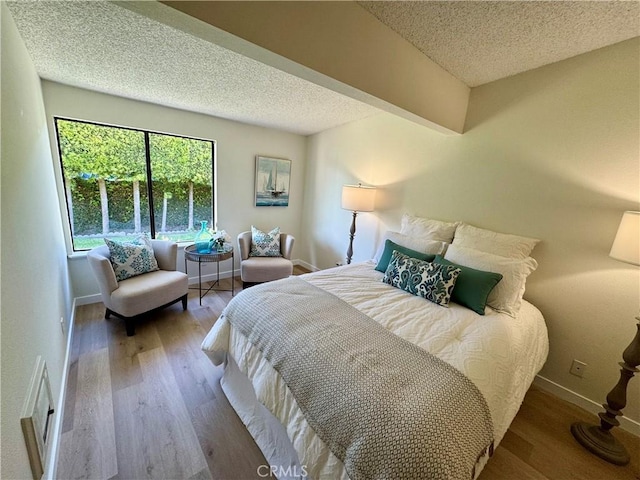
497 353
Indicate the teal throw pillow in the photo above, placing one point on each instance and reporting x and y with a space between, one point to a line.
390 246
432 281
132 258
472 287
265 244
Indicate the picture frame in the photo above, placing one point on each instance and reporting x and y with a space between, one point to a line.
273 180
37 418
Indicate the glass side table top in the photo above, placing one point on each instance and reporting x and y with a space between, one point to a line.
191 253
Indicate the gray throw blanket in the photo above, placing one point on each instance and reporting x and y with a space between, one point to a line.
385 407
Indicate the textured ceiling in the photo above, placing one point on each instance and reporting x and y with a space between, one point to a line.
101 46
478 41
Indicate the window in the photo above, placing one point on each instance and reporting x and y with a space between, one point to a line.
121 182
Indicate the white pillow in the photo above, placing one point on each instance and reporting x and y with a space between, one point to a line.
506 296
503 244
418 244
427 228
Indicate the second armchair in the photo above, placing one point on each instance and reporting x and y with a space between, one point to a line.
254 270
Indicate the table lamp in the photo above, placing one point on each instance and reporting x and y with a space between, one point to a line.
357 199
598 438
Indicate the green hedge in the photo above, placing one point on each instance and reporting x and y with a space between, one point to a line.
87 217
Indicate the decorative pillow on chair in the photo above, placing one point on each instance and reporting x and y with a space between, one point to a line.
132 258
432 281
265 244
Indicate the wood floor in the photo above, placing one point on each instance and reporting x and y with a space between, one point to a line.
151 406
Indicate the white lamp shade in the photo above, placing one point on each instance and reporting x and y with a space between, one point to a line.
626 246
358 198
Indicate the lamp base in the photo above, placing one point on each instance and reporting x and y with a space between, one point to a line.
600 442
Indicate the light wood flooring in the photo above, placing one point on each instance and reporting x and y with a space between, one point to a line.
151 406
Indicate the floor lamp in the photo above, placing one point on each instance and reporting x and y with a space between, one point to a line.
598 438
357 199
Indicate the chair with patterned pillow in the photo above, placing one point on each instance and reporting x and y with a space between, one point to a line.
137 277
264 256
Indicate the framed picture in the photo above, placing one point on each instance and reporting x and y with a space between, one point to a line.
37 418
273 176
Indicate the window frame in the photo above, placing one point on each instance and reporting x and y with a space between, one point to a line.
148 172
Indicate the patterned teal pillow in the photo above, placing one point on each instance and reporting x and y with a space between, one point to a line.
432 281
132 258
265 244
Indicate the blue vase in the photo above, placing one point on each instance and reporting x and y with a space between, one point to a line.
203 240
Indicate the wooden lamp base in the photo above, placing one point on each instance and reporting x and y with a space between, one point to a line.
352 234
598 438
600 442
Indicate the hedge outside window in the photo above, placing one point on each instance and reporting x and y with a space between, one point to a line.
121 182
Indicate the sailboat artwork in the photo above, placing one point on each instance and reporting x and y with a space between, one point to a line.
272 182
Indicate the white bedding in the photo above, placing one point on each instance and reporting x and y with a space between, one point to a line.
500 354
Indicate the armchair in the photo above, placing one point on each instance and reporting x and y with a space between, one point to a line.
255 270
129 298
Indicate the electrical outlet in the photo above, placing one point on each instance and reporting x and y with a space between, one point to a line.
578 368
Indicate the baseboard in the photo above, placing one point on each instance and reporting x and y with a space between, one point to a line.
86 300
96 298
210 277
193 280
306 265
52 466
570 396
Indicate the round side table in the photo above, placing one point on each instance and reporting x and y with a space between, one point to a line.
190 254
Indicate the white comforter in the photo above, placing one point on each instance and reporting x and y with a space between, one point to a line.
500 354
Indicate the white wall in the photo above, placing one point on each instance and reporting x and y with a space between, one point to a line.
237 146
35 284
553 154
